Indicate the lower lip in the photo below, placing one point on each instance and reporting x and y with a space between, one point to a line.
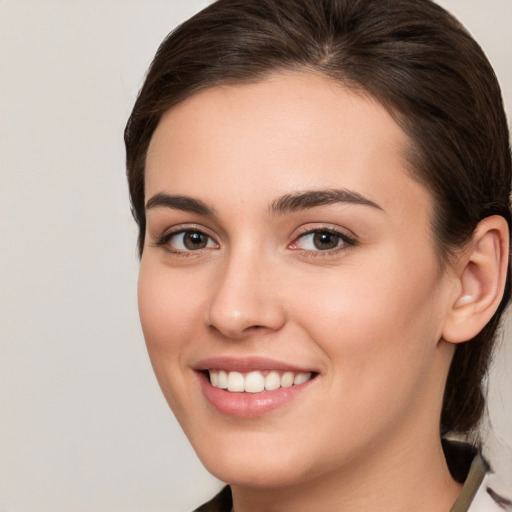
249 405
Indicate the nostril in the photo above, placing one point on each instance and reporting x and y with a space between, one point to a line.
244 330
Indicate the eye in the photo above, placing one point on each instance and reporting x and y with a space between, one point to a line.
322 240
187 240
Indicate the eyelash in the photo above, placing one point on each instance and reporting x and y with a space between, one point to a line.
346 241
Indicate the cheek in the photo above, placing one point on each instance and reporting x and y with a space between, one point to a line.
168 307
170 316
380 344
382 323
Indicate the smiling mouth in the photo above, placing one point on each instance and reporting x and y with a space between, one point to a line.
256 381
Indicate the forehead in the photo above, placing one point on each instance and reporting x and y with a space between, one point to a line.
292 130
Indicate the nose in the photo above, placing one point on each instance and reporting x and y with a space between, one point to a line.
246 298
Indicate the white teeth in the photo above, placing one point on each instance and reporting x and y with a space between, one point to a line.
235 381
300 378
272 381
222 380
287 380
255 381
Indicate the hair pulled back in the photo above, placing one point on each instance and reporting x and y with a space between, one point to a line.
414 58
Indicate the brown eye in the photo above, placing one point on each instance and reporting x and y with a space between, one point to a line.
187 241
325 240
194 240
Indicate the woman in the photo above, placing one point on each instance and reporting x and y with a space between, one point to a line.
322 192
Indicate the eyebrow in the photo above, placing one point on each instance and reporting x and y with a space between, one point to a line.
287 203
184 203
312 198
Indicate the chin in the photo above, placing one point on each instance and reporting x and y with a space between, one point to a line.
268 474
258 459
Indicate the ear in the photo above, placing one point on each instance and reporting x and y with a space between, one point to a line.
481 272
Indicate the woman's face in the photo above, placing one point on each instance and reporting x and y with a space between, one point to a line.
286 242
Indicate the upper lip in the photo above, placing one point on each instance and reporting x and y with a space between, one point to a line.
247 364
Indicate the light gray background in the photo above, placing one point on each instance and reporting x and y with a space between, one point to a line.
83 426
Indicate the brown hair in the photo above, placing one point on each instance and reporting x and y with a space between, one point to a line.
411 55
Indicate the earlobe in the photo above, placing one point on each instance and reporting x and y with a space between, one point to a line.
481 274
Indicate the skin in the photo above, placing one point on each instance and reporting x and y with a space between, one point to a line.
367 317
